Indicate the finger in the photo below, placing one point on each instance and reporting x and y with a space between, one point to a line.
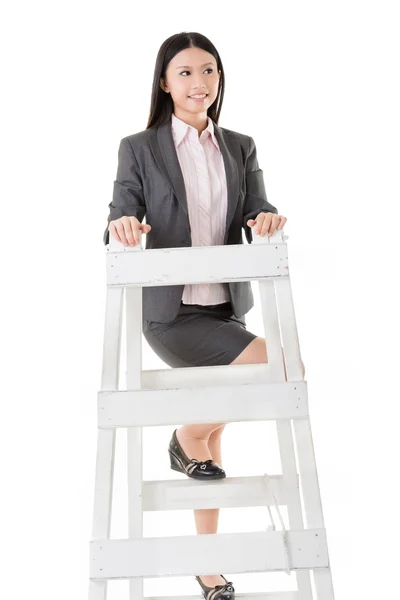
136 227
274 223
119 228
131 227
135 235
114 231
283 221
265 224
258 225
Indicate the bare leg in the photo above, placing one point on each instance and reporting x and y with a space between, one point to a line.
194 438
207 519
204 442
256 352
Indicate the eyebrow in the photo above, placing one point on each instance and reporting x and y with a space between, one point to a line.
188 67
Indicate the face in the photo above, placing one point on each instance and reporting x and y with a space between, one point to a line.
191 72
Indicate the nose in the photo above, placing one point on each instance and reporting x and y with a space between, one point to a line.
200 86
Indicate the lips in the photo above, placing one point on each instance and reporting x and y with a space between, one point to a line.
194 98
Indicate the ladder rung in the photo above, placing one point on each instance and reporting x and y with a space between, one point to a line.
225 403
230 492
248 552
212 264
207 376
291 595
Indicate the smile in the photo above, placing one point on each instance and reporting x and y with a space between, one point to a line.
198 98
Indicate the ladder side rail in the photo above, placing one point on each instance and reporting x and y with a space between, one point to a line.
133 315
105 456
284 432
302 430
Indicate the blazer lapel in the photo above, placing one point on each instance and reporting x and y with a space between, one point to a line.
165 154
232 154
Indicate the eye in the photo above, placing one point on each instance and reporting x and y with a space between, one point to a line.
209 69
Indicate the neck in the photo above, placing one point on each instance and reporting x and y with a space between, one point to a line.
199 121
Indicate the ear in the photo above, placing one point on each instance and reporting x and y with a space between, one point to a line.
163 86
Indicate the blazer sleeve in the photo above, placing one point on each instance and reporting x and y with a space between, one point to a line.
127 197
256 198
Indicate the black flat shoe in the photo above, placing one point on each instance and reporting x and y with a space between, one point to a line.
206 469
219 592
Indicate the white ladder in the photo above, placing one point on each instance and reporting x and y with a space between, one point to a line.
234 393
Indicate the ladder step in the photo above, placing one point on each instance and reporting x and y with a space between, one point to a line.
176 266
291 595
155 379
231 492
197 404
248 552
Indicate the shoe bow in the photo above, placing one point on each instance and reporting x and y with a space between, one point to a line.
203 463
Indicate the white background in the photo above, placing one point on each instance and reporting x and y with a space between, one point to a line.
317 86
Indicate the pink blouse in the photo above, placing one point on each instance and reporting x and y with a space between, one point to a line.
204 175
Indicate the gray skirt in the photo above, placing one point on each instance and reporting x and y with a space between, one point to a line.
199 336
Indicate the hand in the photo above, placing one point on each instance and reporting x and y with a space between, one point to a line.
267 223
128 229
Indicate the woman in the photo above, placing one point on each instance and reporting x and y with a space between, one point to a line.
198 184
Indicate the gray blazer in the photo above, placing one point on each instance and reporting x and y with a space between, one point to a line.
149 182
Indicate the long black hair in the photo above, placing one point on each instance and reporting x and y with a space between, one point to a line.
162 105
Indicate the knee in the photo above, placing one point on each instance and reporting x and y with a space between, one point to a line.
256 352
